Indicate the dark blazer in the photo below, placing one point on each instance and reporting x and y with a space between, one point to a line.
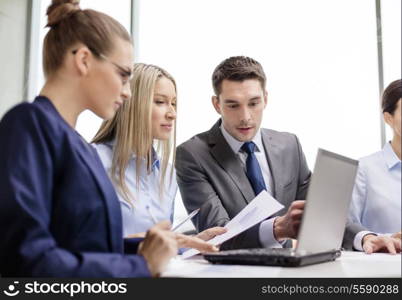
59 213
210 175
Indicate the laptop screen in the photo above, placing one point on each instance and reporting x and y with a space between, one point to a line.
327 203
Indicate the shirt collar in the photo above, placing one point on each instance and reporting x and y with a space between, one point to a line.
236 145
390 156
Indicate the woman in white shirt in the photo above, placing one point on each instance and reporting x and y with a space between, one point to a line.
376 201
135 147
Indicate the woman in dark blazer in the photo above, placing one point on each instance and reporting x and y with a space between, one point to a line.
59 214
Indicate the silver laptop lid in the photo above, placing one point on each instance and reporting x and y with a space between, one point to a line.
327 204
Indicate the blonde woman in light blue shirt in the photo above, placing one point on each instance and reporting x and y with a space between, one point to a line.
376 201
135 148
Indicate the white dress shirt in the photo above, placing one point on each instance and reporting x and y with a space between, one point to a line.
376 200
266 233
137 218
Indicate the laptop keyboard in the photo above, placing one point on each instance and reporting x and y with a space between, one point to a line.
259 252
285 257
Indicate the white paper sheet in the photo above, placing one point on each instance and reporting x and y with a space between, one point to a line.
260 208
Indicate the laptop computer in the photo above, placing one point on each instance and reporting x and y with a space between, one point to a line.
323 223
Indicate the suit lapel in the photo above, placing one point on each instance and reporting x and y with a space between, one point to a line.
230 162
91 159
274 157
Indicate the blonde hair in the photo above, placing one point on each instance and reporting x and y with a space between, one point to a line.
131 128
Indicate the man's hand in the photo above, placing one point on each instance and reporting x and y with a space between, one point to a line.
158 247
373 243
287 226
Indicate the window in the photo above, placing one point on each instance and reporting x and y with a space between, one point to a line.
320 58
391 41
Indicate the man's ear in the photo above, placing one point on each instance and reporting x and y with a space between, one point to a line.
216 104
265 98
82 60
388 118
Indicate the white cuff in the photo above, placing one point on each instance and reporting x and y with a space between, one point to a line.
357 241
267 237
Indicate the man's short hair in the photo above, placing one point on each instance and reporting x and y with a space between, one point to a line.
391 96
237 68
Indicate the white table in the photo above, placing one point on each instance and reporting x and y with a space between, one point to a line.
350 264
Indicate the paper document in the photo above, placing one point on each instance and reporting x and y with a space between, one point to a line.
260 208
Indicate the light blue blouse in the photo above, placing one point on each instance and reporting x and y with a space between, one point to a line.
376 201
137 218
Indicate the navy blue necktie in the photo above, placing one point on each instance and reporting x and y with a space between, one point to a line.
254 173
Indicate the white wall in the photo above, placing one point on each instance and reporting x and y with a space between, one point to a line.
13 29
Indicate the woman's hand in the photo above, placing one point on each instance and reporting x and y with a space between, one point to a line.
396 235
373 243
199 241
210 233
158 247
135 235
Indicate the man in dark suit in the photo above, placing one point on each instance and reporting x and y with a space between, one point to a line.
223 169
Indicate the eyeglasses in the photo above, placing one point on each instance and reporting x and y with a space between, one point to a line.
126 75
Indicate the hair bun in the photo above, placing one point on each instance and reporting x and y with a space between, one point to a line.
61 9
